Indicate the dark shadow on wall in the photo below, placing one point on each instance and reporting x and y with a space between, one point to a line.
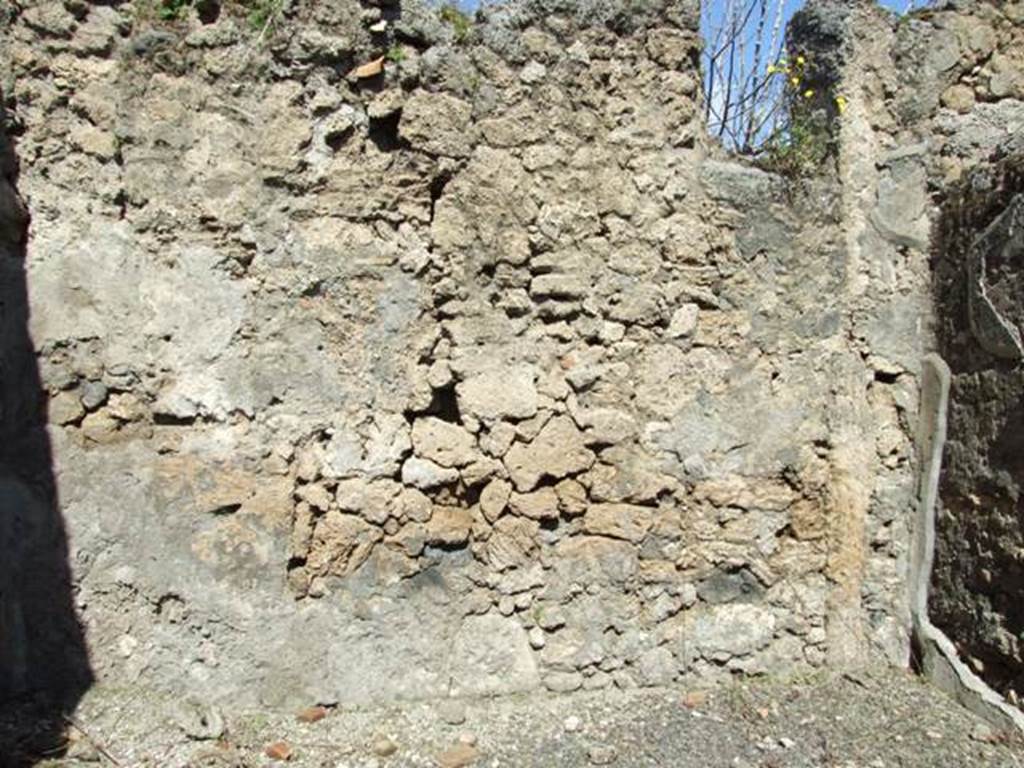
44 665
978 577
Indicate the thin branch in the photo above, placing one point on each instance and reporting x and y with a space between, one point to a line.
758 42
97 744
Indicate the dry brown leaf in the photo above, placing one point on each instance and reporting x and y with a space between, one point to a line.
369 69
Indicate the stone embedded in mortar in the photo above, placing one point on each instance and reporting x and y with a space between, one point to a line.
656 666
590 561
491 655
373 501
721 632
387 443
343 455
671 48
494 499
424 474
499 393
683 322
563 682
730 586
341 543
481 470
559 450
437 123
619 521
412 538
302 531
605 426
541 504
627 477
414 505
449 526
498 439
572 497
442 442
558 286
65 408
519 581
528 429
316 495
730 490
901 212
512 543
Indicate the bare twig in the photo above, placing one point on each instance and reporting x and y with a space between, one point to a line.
97 744
739 94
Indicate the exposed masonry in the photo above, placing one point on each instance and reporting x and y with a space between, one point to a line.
478 373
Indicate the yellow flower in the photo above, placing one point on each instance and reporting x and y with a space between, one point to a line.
795 81
808 93
801 60
841 104
771 69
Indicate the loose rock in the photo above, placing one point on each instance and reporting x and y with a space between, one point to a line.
280 751
457 756
452 711
384 747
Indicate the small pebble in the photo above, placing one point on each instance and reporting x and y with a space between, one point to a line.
311 714
983 733
786 743
602 754
695 699
384 747
279 750
452 711
458 756
573 723
467 738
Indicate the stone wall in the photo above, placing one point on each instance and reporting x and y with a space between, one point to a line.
385 362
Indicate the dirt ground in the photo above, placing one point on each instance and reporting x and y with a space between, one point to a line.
866 720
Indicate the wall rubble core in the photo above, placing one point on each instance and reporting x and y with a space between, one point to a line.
483 374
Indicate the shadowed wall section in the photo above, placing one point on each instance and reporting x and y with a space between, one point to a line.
979 275
43 660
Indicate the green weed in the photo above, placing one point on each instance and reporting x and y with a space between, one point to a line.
461 23
264 13
395 54
172 10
